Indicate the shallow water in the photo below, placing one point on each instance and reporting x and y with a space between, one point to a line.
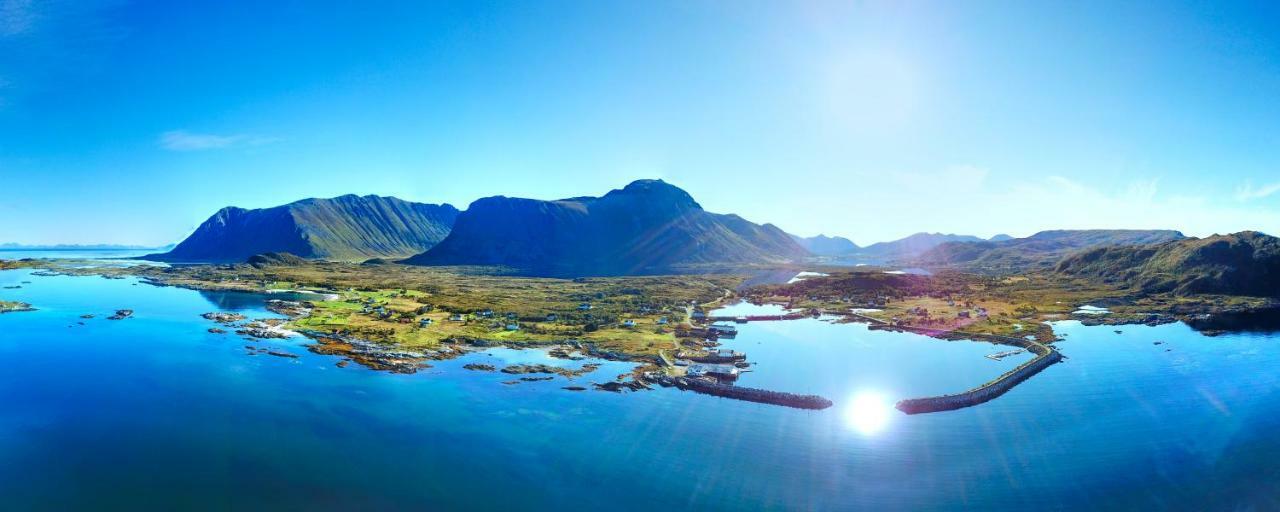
155 412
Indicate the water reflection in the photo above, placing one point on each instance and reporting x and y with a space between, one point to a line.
868 412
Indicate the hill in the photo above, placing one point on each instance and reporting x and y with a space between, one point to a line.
647 227
823 245
1039 251
275 259
347 228
1246 263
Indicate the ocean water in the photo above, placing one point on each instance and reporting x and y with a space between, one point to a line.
153 412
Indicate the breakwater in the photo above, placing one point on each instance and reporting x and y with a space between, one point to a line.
760 318
757 395
1000 385
1045 357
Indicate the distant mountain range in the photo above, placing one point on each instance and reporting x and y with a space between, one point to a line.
823 245
648 226
840 249
1039 251
1246 263
910 247
346 228
81 247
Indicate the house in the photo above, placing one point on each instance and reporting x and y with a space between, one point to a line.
699 315
511 316
456 317
723 329
425 322
962 314
714 370
486 313
726 353
585 306
662 321
552 317
513 327
629 323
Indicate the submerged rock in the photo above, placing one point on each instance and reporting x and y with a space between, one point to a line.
121 314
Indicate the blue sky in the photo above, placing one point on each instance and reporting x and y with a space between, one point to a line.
126 122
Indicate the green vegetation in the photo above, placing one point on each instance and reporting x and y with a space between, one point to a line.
388 303
1009 305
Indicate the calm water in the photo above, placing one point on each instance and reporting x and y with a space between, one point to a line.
153 412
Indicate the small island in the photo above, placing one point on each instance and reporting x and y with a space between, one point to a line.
14 307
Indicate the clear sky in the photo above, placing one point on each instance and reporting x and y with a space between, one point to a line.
130 122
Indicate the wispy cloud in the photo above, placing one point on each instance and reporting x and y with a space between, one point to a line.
17 17
182 140
1247 192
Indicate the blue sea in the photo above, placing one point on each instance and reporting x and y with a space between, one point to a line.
155 413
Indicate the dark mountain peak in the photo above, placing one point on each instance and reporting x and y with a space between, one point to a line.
648 226
657 192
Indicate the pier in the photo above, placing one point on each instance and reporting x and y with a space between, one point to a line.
1045 356
757 395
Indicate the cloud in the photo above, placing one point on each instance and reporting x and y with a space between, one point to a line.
182 140
1247 192
17 17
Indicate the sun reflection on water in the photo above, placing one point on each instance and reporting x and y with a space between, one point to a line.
868 412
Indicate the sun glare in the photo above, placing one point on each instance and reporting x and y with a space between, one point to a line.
868 412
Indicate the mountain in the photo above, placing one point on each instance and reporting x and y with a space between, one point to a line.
823 245
649 226
1245 263
1000 238
910 247
1039 251
348 228
80 247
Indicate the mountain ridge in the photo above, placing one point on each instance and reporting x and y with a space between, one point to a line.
1038 251
348 228
1244 263
647 226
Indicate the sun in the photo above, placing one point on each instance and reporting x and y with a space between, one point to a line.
868 412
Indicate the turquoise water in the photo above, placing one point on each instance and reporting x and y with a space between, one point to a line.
153 412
